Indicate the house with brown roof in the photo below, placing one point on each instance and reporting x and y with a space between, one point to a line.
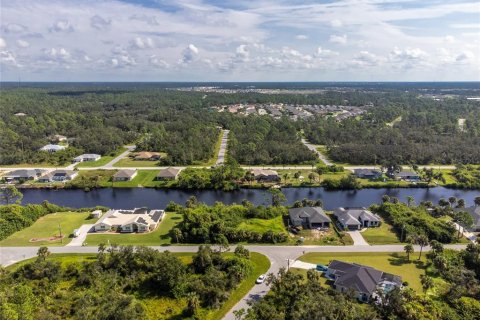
265 175
168 174
147 155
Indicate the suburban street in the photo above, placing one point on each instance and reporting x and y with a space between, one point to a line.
314 149
118 158
279 256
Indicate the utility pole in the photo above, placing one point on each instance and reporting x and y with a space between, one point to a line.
288 264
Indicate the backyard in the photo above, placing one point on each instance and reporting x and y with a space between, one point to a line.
158 237
49 227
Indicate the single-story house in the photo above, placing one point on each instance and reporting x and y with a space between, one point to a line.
127 221
168 174
475 213
23 175
356 218
124 175
52 148
367 173
59 176
265 175
309 217
406 176
87 157
364 281
147 155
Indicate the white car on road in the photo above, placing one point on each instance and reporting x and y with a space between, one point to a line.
260 279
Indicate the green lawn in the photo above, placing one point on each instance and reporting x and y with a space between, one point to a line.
395 263
381 235
142 179
263 225
159 236
48 226
103 160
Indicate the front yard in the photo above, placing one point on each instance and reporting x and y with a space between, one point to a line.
48 227
381 235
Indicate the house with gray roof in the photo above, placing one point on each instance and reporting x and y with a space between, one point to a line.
23 175
362 280
168 174
309 217
356 218
406 176
265 175
59 176
124 175
367 173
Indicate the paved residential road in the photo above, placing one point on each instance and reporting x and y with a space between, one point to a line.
223 148
118 158
320 155
279 257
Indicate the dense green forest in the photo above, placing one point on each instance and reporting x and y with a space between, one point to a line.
426 131
401 127
122 283
455 276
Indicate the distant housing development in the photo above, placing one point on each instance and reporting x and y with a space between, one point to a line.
364 281
127 221
356 218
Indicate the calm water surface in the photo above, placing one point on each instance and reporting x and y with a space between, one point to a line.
153 198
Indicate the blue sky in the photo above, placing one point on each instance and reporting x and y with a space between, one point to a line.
237 40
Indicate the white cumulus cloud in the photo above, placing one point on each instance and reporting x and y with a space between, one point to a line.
3 43
301 37
342 39
22 43
62 25
189 54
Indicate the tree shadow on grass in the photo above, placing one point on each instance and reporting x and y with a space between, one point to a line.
398 259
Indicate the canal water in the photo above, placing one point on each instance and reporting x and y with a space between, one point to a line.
129 198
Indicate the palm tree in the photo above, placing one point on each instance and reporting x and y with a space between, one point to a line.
437 247
452 201
410 201
408 250
461 203
193 303
427 282
422 241
43 253
312 176
477 201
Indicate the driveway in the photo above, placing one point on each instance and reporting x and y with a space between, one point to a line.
78 241
303 265
119 157
469 235
357 238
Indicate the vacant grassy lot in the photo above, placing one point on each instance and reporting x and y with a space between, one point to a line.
168 308
142 179
130 162
381 235
395 263
263 225
48 226
156 238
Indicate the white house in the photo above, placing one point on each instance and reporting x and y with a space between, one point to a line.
127 221
52 148
87 157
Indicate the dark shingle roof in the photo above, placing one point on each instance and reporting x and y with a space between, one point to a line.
168 173
315 214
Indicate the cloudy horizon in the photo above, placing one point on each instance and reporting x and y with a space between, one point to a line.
265 40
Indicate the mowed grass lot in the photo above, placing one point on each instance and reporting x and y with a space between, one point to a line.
395 263
381 235
168 308
129 161
263 225
48 226
159 236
